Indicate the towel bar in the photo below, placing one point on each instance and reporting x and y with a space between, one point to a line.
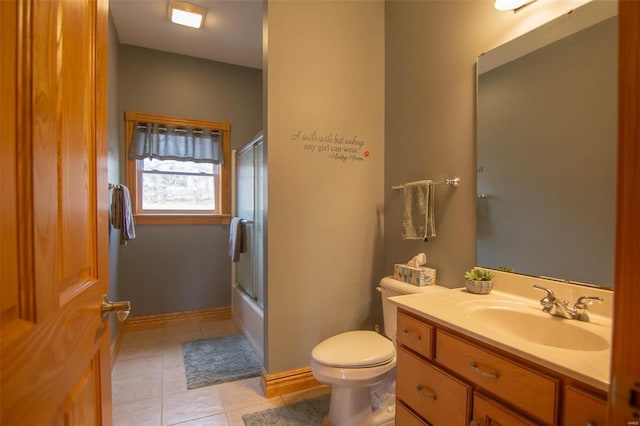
455 182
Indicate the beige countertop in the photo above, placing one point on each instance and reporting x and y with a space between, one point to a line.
454 309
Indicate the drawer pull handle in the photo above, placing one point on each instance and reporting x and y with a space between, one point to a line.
491 374
411 335
429 394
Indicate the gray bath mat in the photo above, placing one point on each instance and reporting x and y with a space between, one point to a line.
308 412
219 359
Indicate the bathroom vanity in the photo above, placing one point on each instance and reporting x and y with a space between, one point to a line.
497 359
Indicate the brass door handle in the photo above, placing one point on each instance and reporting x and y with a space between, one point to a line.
121 309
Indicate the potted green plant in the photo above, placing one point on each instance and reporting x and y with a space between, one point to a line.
479 281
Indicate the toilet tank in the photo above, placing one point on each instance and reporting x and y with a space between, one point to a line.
390 287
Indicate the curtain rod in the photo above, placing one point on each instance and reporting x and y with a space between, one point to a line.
179 129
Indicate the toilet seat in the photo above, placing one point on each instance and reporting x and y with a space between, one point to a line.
354 349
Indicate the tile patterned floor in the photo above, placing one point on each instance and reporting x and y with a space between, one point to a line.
149 385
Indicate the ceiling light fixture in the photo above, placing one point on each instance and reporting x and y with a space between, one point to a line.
514 5
186 14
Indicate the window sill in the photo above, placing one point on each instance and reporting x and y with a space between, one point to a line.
177 219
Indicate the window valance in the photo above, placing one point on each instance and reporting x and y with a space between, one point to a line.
164 142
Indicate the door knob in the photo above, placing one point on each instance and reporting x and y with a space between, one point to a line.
121 309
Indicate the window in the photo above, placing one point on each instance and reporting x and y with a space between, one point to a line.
170 177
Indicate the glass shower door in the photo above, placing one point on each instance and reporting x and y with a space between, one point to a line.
250 207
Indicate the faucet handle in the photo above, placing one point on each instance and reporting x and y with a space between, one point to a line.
581 304
580 307
548 300
548 290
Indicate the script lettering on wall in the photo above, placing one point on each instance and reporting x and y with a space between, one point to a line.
332 145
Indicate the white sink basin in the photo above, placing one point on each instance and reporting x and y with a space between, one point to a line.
531 324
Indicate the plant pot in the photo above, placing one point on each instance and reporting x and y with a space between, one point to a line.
479 287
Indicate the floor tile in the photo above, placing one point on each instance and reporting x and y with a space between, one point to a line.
217 420
290 398
137 367
142 349
136 387
173 380
235 416
172 356
218 328
146 412
191 404
149 385
241 393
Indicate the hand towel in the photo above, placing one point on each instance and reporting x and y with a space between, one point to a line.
237 238
419 216
122 214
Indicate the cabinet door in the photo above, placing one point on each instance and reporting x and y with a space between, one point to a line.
524 388
487 412
404 417
438 397
415 334
582 409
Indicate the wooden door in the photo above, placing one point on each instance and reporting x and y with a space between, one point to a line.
55 357
624 396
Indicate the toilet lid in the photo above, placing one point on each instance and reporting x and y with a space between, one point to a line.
354 349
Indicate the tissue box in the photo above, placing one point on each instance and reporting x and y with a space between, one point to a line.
419 276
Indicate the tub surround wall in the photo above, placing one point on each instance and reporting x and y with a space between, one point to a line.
431 51
249 318
325 148
175 268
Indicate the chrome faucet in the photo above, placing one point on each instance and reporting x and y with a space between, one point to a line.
553 306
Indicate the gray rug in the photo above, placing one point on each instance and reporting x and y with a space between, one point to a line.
308 412
218 360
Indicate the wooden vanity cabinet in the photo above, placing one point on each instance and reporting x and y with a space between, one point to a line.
436 396
487 412
415 335
404 417
583 409
528 390
446 378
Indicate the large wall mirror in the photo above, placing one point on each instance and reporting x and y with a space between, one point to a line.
546 134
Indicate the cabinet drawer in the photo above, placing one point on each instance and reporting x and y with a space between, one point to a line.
487 412
581 408
526 389
432 393
404 417
415 335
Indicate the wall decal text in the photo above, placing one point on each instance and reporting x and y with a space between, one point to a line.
332 145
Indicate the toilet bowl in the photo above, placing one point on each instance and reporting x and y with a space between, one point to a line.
352 363
360 365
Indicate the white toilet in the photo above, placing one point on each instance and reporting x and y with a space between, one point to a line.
360 366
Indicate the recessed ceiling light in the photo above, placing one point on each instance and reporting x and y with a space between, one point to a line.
186 14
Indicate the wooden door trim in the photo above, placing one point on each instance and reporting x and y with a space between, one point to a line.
625 369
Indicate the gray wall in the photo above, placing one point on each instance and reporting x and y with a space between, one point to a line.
325 73
431 51
182 267
113 160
